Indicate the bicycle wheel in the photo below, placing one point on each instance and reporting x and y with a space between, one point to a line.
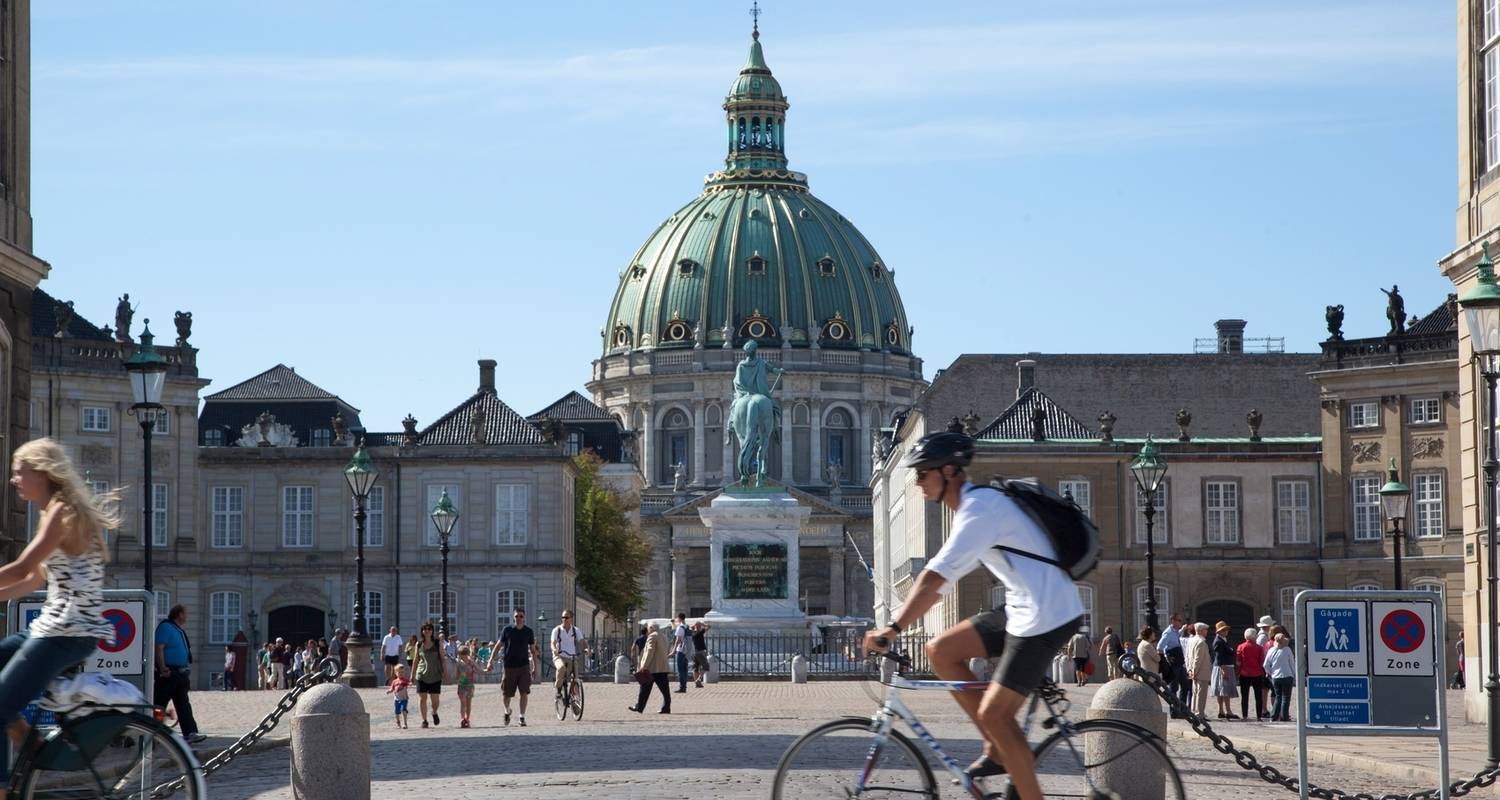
577 704
111 755
831 759
560 702
1106 755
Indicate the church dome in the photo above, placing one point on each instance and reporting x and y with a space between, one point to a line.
756 255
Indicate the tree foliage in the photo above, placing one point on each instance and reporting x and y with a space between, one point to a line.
610 554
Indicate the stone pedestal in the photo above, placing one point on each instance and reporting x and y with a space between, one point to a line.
358 673
754 535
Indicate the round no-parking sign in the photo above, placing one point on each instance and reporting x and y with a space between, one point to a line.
1403 634
1402 630
124 630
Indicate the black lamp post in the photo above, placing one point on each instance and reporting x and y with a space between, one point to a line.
1395 498
1149 469
361 474
1481 305
148 374
444 515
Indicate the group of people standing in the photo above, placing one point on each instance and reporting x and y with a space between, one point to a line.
1198 664
656 652
279 663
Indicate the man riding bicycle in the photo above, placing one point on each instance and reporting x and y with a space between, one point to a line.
1042 608
567 642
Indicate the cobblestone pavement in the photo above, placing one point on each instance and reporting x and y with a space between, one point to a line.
720 741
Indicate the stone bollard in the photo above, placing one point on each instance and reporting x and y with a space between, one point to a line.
713 670
330 745
799 669
623 672
1127 701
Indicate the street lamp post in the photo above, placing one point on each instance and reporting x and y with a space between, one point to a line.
444 515
1481 305
148 374
1395 498
1149 469
361 474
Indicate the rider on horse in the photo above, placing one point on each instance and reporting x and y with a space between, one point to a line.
752 393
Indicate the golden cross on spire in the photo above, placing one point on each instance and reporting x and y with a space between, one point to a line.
755 14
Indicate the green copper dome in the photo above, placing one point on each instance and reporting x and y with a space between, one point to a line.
756 255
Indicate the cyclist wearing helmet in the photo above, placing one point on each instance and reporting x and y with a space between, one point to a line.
1042 609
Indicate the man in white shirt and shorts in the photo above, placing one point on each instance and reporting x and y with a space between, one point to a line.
390 651
1042 608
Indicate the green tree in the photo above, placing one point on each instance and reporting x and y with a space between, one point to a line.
611 556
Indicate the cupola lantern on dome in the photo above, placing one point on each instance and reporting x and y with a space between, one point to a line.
756 255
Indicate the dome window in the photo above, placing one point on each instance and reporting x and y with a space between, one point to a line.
877 270
622 336
755 264
804 214
757 326
637 272
892 335
677 330
826 267
687 268
836 329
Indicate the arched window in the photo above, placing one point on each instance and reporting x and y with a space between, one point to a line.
826 267
677 331
676 441
1433 585
755 264
1163 604
435 610
1365 586
838 443
1288 609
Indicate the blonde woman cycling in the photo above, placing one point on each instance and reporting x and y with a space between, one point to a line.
67 554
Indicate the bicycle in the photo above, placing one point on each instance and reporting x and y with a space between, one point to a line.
1070 762
101 749
571 697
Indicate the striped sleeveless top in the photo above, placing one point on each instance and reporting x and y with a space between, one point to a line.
75 596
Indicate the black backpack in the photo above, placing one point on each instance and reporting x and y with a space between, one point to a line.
1074 536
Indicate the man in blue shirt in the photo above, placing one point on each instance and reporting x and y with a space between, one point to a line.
174 657
1173 664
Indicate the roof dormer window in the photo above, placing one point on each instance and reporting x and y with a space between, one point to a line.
677 330
877 270
892 335
755 264
687 268
836 330
622 336
826 267
637 272
757 326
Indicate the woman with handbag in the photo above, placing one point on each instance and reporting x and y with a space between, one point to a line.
653 669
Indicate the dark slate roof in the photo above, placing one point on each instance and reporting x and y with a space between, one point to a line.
572 407
502 425
1143 391
277 383
1444 319
1015 422
44 320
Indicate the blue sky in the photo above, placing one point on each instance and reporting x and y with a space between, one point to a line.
380 193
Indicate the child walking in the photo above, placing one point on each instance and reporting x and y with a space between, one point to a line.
466 673
398 688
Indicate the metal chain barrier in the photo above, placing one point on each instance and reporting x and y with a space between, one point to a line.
327 671
1270 774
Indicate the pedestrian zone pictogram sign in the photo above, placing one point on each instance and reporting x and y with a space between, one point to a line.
1370 663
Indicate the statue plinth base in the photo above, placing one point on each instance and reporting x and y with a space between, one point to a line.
754 534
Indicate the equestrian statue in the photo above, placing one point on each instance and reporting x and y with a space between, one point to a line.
753 416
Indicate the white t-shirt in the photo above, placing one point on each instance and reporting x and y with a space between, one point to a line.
1038 596
391 644
565 642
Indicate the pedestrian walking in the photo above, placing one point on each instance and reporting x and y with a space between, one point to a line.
1146 652
429 674
1110 649
174 658
1224 685
411 654
520 660
278 664
399 688
653 670
465 690
700 652
1248 660
229 665
1281 666
390 652
1079 648
1200 664
1460 675
682 650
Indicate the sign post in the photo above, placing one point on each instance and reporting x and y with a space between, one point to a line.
1368 665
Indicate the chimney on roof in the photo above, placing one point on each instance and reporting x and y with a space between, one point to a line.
1231 335
487 375
1025 376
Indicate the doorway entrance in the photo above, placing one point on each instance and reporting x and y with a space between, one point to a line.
296 624
1239 616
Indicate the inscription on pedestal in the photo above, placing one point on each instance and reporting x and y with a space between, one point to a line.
755 571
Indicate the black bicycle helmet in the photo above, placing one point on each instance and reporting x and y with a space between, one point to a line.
939 450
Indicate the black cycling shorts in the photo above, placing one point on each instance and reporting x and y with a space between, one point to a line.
1023 659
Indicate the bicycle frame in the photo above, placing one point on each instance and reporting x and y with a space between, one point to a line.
884 720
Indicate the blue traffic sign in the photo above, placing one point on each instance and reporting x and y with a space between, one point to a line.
1335 630
1332 713
1324 688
